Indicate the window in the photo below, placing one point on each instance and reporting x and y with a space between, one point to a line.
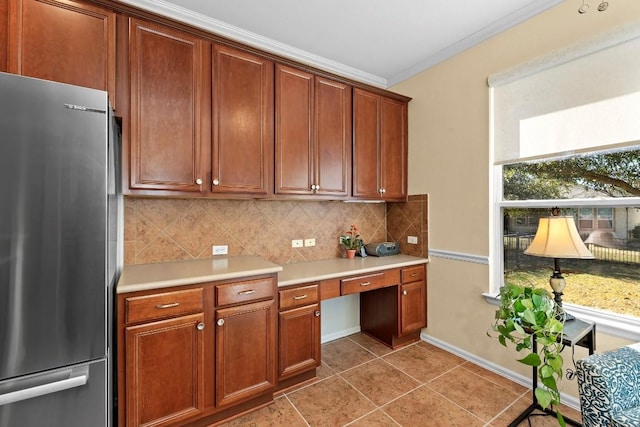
562 137
606 222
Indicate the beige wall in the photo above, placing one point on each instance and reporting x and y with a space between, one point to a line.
449 160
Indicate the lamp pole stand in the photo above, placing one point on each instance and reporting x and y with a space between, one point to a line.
558 284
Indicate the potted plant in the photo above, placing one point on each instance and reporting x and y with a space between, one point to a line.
526 311
351 241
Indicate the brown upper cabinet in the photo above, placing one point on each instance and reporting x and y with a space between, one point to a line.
166 105
60 40
201 116
313 134
242 154
379 147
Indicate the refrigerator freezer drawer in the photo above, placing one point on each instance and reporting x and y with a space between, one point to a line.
70 397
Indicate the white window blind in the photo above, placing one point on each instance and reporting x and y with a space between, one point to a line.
578 99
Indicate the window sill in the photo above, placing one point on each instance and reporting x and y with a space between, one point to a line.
617 325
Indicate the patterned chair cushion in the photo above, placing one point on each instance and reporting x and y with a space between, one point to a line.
609 387
628 418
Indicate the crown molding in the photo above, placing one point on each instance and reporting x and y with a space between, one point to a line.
511 20
232 32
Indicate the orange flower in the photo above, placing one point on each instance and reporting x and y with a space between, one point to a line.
351 239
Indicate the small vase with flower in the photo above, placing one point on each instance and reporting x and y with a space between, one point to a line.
351 240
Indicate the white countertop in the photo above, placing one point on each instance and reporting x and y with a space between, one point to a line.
141 277
312 271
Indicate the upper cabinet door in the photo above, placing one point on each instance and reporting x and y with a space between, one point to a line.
64 41
294 131
366 145
393 149
242 151
313 134
380 147
333 139
166 106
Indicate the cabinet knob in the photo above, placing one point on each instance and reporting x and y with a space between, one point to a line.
317 313
199 181
216 182
404 292
220 322
200 326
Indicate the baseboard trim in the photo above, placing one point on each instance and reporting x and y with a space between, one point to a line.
339 334
566 399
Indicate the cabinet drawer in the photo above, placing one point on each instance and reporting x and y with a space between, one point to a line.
246 290
295 297
363 283
163 305
412 274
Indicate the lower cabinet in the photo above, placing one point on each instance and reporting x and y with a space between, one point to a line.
413 297
199 354
413 313
245 351
164 371
299 331
196 354
396 314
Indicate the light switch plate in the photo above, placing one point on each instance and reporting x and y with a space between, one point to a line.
309 242
296 243
412 239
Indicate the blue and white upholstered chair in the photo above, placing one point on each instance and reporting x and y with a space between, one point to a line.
609 387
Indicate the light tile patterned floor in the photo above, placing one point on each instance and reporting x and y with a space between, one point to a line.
363 383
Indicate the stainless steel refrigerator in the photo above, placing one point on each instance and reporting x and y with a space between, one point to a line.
60 222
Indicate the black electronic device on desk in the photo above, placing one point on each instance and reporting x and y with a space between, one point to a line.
382 248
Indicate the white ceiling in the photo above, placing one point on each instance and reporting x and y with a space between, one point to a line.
380 42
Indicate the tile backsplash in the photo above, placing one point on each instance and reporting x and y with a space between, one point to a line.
410 218
165 229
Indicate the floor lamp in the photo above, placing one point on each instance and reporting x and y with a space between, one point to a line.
557 237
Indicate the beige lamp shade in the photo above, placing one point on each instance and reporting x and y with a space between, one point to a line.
557 237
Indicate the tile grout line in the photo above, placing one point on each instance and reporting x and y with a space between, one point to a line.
297 411
509 406
456 404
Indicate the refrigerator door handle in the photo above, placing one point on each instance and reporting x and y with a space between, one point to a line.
76 377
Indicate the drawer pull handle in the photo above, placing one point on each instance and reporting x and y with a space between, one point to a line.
200 326
404 292
365 284
317 313
249 292
220 322
300 297
170 305
413 274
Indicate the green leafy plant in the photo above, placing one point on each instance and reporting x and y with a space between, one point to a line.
351 239
526 311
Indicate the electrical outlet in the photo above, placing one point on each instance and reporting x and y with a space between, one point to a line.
220 250
309 242
296 243
412 239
